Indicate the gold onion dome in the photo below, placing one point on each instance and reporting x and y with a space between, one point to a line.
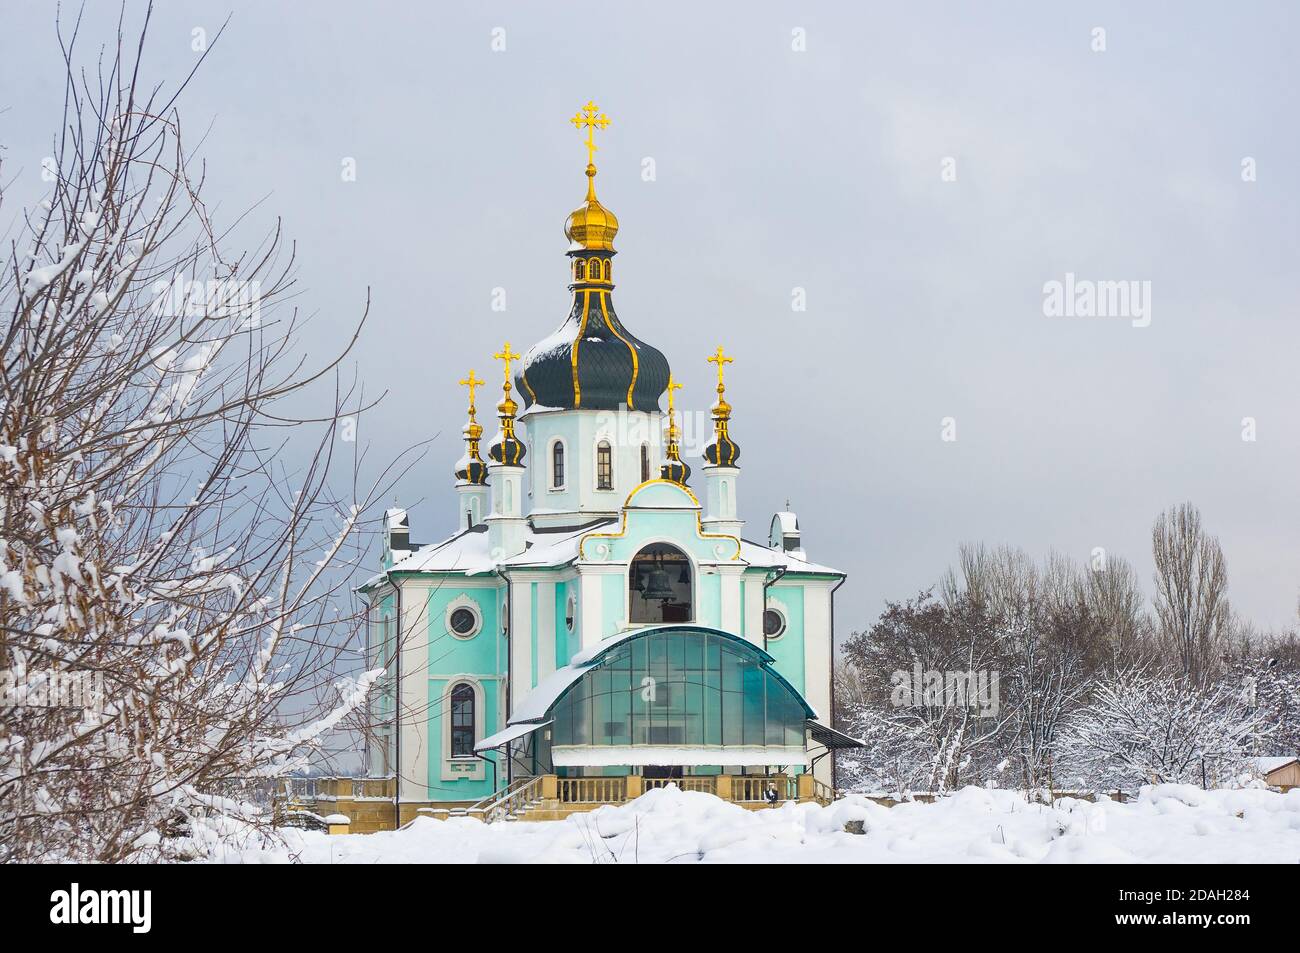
591 226
721 451
592 361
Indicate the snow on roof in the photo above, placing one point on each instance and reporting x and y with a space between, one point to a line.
395 518
756 554
507 735
1268 765
788 522
469 552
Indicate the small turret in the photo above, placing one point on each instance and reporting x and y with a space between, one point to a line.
721 473
675 469
506 525
784 535
397 536
471 471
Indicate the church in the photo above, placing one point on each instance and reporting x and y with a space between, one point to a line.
599 623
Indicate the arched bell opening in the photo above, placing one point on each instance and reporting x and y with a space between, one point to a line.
660 586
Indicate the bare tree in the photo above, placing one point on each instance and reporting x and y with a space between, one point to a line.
1113 598
155 544
1158 727
925 723
1191 590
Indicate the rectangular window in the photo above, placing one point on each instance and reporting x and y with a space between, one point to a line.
557 467
462 722
604 467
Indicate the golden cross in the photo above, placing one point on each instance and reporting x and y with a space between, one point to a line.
672 386
507 355
720 359
590 117
471 382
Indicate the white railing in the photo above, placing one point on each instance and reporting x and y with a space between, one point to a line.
592 790
512 800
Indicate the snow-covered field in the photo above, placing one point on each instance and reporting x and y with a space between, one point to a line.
1167 823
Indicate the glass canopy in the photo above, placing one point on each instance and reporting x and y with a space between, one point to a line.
681 687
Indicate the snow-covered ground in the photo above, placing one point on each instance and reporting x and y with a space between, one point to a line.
1167 823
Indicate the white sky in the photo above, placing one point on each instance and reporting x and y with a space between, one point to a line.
819 169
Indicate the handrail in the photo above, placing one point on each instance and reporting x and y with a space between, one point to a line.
510 802
823 793
484 803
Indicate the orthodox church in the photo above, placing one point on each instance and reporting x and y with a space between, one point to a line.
598 612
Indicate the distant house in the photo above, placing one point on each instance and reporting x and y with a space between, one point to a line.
1283 772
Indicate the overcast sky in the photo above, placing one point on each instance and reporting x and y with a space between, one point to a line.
821 169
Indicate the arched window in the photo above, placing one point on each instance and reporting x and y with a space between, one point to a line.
579 269
557 465
604 466
462 721
645 462
608 264
659 586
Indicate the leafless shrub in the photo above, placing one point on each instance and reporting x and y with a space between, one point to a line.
152 534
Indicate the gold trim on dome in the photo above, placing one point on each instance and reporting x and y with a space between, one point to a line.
523 377
636 364
582 329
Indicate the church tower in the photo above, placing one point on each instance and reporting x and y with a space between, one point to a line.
506 525
471 471
591 389
721 454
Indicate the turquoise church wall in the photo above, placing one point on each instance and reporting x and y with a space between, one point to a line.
533 610
449 655
479 656
788 650
562 635
459 789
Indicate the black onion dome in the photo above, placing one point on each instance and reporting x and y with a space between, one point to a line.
675 470
722 451
505 446
593 362
507 449
471 468
472 471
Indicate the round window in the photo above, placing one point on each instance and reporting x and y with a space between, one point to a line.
464 621
773 623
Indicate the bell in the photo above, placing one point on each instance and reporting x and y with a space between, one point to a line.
659 587
639 582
